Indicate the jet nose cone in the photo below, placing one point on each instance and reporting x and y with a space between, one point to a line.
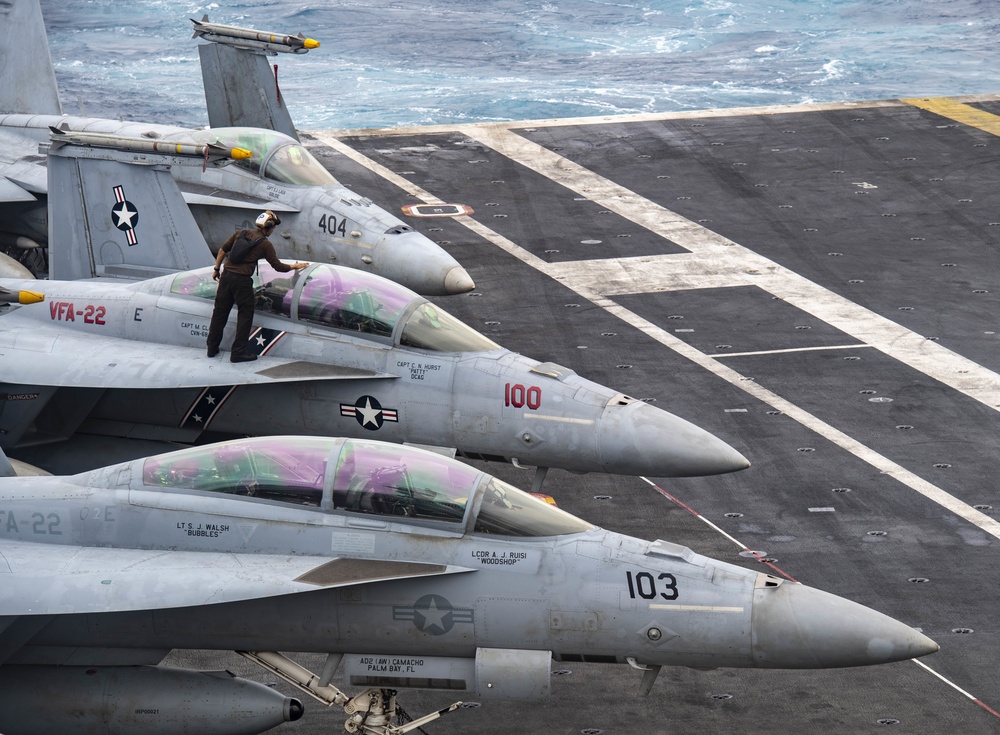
639 439
796 627
418 263
458 281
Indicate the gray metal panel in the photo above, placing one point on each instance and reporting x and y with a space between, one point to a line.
301 370
352 571
11 192
152 227
240 90
28 81
81 360
117 579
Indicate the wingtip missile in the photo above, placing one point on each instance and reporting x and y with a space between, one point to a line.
213 151
30 297
217 150
21 297
249 38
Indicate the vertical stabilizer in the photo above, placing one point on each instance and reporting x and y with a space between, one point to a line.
6 468
241 90
116 218
27 79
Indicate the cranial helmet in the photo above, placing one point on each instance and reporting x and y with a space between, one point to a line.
268 219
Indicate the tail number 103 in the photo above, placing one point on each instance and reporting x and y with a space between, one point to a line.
518 396
642 584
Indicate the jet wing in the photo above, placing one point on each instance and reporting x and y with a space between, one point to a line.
11 192
200 194
50 579
26 179
46 356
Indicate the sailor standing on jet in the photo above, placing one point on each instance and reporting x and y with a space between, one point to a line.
244 248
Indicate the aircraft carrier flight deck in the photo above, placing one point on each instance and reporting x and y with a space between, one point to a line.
817 285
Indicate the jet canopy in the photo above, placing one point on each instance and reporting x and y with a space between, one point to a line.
357 477
349 300
276 156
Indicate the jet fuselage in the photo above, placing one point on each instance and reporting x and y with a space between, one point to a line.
467 561
355 355
321 219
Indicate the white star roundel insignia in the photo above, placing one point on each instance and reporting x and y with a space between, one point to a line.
124 215
369 413
433 614
125 212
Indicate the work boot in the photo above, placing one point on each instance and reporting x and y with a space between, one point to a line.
242 358
213 351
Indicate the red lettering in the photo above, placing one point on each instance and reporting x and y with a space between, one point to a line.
534 397
517 396
53 305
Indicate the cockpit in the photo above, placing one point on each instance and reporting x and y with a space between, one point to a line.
276 156
359 477
349 300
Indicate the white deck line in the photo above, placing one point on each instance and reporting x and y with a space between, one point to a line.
714 261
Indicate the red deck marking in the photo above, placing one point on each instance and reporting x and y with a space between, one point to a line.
703 519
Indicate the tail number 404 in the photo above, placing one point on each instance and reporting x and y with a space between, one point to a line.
644 585
331 226
518 396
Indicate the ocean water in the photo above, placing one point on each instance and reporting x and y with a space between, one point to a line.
422 62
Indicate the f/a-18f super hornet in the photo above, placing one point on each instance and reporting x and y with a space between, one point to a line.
322 220
408 568
342 352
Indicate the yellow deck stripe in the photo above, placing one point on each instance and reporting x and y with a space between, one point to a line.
957 111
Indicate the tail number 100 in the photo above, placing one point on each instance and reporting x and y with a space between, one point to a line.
518 396
643 585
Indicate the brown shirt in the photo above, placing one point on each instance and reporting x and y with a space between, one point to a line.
263 249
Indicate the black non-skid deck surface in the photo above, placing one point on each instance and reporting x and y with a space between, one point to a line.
888 207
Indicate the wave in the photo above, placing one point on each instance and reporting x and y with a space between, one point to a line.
439 61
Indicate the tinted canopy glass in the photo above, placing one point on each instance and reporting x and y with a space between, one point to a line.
274 290
288 469
388 479
507 511
275 156
432 328
293 164
352 300
349 300
366 477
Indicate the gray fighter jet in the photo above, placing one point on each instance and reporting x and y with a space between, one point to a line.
322 220
410 569
342 352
